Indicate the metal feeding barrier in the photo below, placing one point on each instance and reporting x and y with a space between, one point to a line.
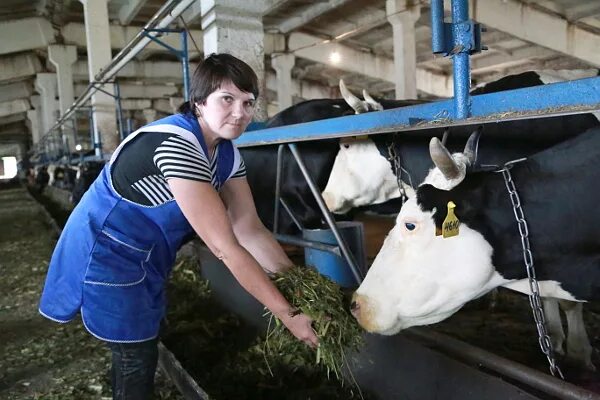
458 39
151 32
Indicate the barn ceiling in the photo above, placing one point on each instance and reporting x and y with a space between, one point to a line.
521 35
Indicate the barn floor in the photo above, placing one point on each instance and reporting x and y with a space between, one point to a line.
40 358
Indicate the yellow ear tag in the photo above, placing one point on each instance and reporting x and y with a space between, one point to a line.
451 223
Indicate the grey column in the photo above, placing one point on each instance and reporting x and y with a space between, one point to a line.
63 58
283 64
403 17
45 84
230 26
97 32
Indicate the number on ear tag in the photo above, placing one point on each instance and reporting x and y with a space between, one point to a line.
451 223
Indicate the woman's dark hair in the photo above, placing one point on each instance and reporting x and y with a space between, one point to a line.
212 72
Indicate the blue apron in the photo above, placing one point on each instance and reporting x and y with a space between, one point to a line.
114 256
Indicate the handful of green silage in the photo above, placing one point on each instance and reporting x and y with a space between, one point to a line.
322 300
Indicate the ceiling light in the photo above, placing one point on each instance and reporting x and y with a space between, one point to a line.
335 57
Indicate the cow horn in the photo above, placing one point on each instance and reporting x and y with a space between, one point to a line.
442 159
357 104
375 105
445 137
472 146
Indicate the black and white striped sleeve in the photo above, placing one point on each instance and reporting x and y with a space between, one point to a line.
177 157
241 172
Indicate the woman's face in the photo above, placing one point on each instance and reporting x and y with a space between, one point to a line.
227 111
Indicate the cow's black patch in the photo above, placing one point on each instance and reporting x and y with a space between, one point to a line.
468 197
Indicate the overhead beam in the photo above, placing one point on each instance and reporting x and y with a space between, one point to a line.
362 23
312 48
308 14
25 34
144 70
193 12
120 36
581 11
11 119
8 108
497 60
524 21
15 90
138 91
130 10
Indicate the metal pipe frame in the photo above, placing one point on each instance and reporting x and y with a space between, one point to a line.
563 98
278 170
485 360
348 256
437 26
163 17
296 241
461 60
119 109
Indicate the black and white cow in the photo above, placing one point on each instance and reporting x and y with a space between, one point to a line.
420 278
261 163
86 174
352 185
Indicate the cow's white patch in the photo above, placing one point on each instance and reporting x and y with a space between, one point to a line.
437 179
360 176
547 289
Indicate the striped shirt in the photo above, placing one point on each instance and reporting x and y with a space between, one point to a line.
142 169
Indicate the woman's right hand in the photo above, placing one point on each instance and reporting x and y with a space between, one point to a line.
300 326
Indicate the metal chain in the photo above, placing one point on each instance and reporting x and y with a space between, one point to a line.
534 298
394 158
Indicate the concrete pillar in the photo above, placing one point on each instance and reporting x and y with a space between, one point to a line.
32 116
45 84
36 119
99 55
403 16
63 58
149 115
283 64
229 26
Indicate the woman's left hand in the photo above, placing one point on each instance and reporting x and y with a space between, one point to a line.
300 325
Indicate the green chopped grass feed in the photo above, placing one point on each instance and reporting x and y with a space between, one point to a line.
323 300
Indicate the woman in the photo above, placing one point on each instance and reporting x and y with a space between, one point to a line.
174 176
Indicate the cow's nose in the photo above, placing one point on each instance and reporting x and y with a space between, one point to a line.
355 306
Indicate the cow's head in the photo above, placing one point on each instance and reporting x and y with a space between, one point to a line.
360 176
351 183
419 277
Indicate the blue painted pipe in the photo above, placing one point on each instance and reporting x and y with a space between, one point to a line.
437 26
546 100
461 63
186 65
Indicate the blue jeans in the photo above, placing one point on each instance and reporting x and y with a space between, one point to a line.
133 368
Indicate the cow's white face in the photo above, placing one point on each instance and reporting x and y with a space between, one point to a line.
360 176
419 278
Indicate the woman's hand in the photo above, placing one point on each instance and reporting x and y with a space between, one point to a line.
300 326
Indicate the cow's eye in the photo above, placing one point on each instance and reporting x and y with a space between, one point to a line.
347 146
410 226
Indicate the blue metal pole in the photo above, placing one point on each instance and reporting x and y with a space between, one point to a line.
129 126
186 65
461 64
437 26
119 110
